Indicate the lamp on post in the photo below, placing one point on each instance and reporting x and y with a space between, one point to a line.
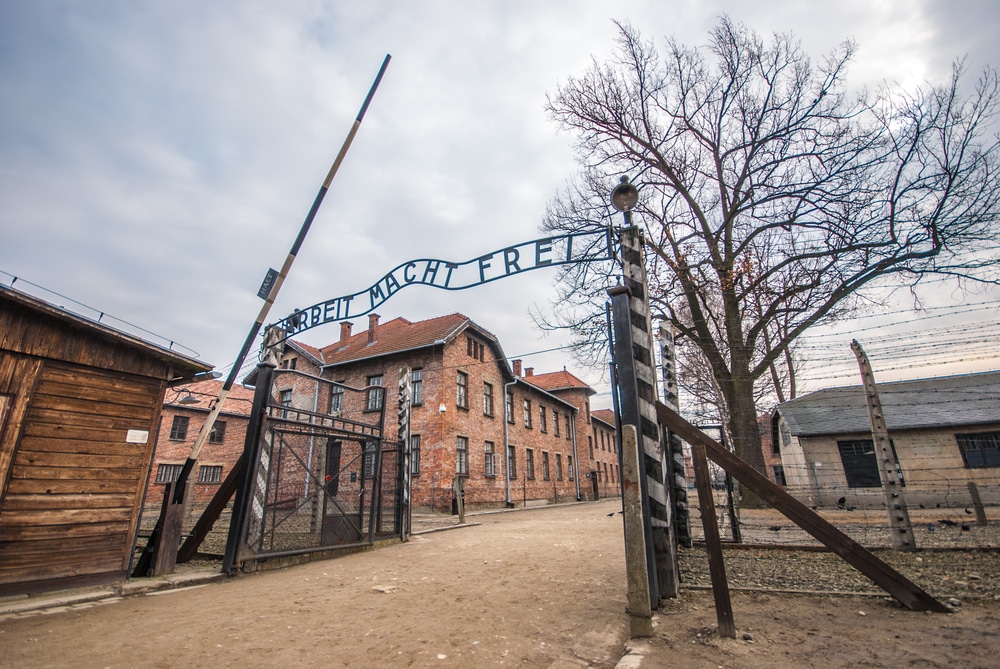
624 197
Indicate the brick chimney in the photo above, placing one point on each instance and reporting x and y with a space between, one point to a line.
529 371
372 327
517 368
345 332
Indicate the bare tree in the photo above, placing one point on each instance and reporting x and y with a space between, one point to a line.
770 196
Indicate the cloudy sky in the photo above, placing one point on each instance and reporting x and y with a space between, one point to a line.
157 157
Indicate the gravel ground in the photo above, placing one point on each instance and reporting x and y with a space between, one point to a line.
950 562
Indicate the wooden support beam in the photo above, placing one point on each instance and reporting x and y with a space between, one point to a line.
211 513
716 563
887 578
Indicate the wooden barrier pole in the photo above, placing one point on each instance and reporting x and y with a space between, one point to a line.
639 612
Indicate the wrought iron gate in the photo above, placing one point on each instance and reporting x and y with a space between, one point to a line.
318 482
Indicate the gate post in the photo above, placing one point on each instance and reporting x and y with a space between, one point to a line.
251 453
632 327
403 435
674 446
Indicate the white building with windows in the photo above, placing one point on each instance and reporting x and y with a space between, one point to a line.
944 431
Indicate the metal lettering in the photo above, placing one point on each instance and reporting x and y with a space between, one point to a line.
406 272
475 272
542 246
509 261
484 264
432 269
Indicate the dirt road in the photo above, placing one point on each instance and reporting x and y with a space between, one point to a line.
533 588
536 588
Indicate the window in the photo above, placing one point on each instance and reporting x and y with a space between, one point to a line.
555 422
860 463
462 390
527 414
559 466
590 444
289 363
980 449
285 400
568 431
210 474
529 464
545 466
779 475
570 472
511 463
168 473
489 461
541 419
487 399
462 455
510 408
179 428
375 393
336 400
218 434
415 454
475 349
417 387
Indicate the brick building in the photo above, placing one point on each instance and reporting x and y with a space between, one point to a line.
517 438
605 457
184 412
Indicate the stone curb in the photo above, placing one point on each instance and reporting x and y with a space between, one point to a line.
65 600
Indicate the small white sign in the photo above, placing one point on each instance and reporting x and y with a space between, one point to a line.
137 436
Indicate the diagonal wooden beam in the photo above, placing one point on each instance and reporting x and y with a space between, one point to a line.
859 557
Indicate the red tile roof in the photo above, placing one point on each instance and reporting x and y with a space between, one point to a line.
309 350
238 401
561 380
400 335
606 415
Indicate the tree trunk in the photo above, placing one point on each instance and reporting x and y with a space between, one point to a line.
746 437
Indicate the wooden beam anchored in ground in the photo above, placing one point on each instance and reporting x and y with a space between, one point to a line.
884 576
716 564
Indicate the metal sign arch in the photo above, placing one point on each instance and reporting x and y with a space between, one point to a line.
512 260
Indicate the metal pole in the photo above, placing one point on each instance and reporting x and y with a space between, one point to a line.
276 281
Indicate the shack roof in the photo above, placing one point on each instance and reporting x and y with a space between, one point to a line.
947 401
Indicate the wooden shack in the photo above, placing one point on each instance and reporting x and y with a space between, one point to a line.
79 411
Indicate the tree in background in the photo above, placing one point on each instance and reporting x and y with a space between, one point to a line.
771 197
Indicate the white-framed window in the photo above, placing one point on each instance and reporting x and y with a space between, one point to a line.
527 414
462 390
489 460
487 399
417 387
179 428
415 454
336 400
461 455
218 434
210 474
168 473
374 393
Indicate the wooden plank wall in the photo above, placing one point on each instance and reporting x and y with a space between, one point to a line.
74 486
